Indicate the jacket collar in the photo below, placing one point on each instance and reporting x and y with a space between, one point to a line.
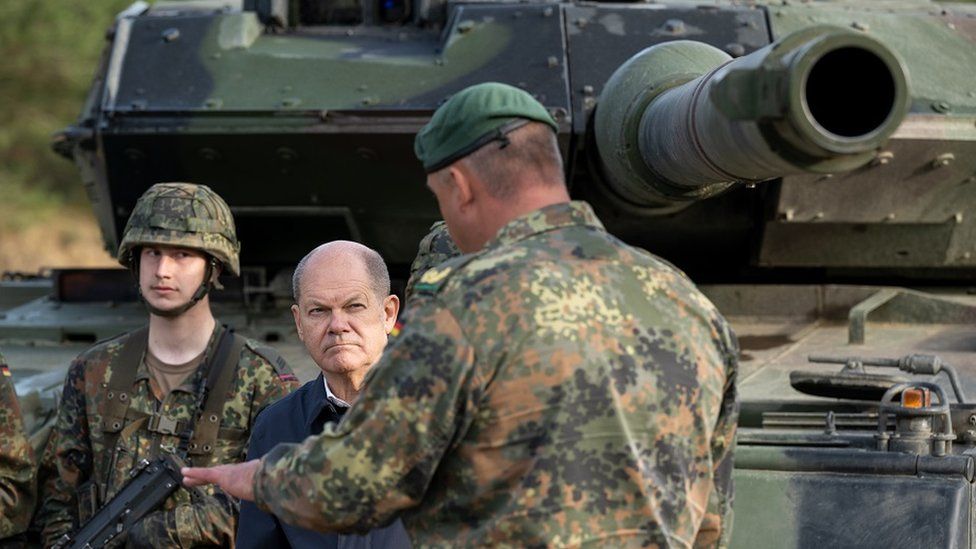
315 402
545 219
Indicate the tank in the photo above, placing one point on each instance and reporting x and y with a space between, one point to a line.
811 165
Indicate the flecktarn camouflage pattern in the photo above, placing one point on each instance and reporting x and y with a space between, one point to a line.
186 215
434 249
556 388
16 461
199 517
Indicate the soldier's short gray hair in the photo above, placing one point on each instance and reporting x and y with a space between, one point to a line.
531 148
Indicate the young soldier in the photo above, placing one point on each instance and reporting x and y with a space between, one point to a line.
140 395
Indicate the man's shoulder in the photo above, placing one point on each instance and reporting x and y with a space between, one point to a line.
90 370
472 269
259 357
104 351
434 279
513 265
285 408
275 422
496 266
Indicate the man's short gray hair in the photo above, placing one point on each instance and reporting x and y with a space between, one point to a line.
379 275
532 148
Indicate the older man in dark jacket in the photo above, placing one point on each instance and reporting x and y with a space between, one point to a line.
344 313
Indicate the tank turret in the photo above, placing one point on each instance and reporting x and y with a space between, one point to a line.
683 121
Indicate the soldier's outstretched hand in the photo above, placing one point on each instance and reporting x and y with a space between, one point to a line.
237 479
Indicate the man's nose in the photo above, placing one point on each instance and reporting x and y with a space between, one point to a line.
164 266
338 323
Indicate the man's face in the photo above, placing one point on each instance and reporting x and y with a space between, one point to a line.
339 318
169 275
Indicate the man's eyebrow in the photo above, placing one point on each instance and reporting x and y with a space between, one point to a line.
357 295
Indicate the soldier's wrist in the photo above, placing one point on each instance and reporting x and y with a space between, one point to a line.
257 486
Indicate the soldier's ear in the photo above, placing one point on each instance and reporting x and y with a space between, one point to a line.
216 267
296 313
462 185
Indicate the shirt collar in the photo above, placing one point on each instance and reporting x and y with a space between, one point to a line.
332 398
189 384
315 401
546 219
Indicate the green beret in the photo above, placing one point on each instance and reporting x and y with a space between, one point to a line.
472 118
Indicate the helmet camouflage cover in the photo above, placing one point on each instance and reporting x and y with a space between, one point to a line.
185 215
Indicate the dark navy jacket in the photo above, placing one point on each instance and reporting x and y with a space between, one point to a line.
292 419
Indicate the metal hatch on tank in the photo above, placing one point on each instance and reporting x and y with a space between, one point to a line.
812 165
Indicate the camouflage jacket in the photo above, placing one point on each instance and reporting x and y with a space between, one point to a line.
556 388
16 461
189 518
434 249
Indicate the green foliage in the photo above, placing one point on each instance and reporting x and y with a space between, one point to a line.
48 53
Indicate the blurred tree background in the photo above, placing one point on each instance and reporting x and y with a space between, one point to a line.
48 53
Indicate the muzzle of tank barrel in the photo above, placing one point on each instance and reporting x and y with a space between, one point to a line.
681 121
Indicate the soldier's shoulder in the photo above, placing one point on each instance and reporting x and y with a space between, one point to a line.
682 287
462 274
655 263
262 355
95 362
281 410
436 279
104 349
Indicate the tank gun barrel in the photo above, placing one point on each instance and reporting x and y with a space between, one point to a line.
682 121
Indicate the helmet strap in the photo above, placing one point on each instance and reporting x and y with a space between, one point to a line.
208 280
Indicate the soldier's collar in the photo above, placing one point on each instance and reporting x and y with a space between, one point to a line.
546 219
191 382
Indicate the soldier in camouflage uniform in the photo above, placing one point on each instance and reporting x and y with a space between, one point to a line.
435 248
552 387
138 395
16 462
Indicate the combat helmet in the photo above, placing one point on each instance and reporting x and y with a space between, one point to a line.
185 215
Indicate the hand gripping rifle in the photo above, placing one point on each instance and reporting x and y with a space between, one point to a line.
149 485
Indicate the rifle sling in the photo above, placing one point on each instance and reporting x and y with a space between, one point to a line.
219 379
124 367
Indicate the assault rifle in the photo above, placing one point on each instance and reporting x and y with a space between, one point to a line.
150 483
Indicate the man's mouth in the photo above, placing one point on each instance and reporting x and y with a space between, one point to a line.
163 289
335 345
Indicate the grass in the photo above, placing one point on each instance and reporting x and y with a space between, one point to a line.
48 54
